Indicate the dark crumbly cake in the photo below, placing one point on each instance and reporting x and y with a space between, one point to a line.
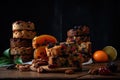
64 55
19 42
21 51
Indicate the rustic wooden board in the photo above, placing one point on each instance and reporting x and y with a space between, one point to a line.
60 69
30 75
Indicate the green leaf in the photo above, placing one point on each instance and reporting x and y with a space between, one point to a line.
18 60
5 61
7 53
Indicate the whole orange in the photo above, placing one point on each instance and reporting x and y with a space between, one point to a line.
100 56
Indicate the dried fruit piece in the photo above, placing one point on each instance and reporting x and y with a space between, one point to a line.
93 71
41 70
52 66
104 70
40 52
43 40
69 71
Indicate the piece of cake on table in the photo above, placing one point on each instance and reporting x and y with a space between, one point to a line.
63 55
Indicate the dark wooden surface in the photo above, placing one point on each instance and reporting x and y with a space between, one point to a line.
30 75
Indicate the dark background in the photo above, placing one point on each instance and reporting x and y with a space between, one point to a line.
55 17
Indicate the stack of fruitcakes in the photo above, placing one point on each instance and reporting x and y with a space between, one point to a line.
21 41
81 36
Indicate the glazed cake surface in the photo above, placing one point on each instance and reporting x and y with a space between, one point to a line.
22 25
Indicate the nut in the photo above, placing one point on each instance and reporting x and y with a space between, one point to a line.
69 71
40 70
24 67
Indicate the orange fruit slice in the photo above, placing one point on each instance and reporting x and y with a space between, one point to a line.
43 40
40 52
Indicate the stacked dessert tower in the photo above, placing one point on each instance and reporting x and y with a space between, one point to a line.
21 41
81 36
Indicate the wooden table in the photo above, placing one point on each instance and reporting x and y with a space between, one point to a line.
30 75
